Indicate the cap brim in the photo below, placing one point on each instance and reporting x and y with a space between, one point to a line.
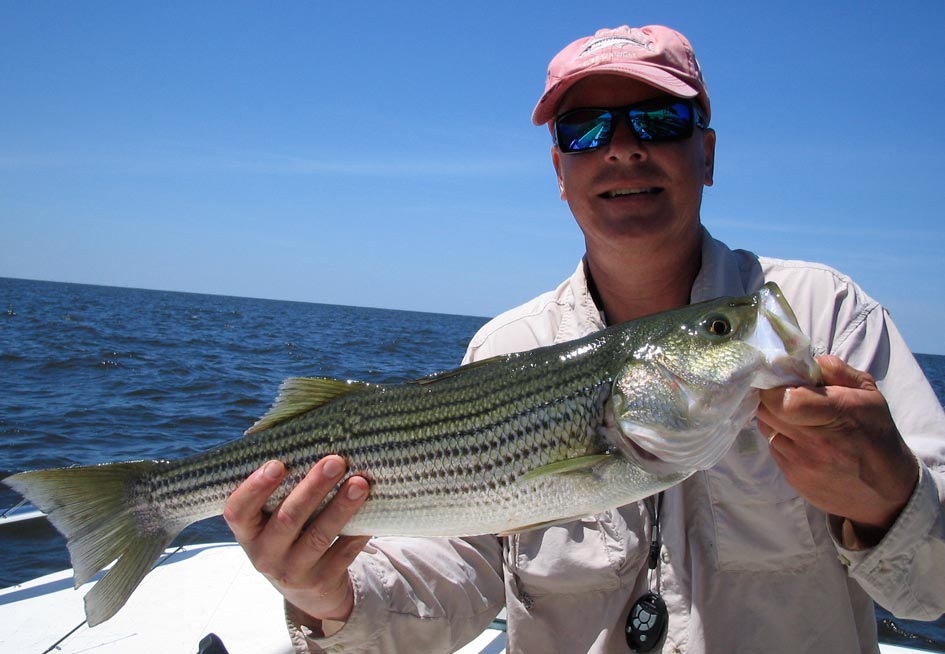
547 106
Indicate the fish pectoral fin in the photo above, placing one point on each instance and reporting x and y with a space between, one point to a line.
577 464
300 394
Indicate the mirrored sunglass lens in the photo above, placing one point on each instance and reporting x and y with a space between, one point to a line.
667 123
583 130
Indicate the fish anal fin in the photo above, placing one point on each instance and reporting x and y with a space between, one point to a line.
300 394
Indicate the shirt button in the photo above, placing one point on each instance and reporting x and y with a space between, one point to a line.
664 556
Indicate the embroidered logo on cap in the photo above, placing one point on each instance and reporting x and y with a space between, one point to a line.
614 42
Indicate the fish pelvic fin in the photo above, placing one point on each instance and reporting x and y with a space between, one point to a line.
298 395
94 507
539 525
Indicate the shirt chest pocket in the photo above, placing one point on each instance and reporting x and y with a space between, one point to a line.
585 555
761 524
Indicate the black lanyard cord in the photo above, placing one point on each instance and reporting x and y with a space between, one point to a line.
648 618
655 508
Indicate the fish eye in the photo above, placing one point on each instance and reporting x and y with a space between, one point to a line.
717 325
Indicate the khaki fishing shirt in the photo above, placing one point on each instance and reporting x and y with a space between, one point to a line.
746 565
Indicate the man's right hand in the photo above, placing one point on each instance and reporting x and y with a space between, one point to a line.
308 565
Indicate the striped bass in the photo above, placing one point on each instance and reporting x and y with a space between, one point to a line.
498 446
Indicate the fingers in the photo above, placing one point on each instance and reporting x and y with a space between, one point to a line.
837 372
315 570
284 527
838 445
243 510
317 544
287 521
821 405
768 431
833 406
782 446
303 557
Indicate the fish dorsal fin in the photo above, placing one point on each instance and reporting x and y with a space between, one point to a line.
440 376
300 394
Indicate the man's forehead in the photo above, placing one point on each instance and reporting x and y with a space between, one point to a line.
607 90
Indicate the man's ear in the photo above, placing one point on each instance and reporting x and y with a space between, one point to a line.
556 161
708 144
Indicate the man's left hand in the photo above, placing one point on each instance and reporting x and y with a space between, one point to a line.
839 448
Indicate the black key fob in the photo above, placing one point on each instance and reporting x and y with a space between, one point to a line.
647 622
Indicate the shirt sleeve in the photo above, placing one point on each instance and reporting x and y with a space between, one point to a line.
905 571
414 594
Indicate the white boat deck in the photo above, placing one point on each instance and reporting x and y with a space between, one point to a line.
205 590
197 590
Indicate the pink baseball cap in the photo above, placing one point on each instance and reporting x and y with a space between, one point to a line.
654 55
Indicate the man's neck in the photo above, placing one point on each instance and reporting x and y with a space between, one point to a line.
631 284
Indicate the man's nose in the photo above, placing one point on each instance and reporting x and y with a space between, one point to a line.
625 143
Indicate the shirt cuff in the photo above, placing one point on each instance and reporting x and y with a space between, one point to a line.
909 529
309 626
368 618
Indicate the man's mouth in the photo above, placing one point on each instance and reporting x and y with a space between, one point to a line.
622 192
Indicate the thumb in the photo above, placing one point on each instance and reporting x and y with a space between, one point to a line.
837 372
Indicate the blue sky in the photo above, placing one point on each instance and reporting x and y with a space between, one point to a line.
381 154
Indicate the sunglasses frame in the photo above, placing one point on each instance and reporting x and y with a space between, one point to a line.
696 119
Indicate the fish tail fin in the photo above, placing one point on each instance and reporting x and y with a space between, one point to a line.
103 519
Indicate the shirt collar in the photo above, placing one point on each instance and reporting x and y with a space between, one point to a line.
719 275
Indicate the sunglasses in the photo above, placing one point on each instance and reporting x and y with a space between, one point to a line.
660 120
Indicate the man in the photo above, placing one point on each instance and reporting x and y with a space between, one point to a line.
832 500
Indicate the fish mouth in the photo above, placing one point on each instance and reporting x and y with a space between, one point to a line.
785 347
625 192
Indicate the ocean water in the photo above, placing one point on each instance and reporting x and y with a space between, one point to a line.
91 374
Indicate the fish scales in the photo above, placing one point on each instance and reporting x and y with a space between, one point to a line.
488 429
497 446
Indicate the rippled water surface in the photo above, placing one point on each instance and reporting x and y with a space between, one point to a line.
91 374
